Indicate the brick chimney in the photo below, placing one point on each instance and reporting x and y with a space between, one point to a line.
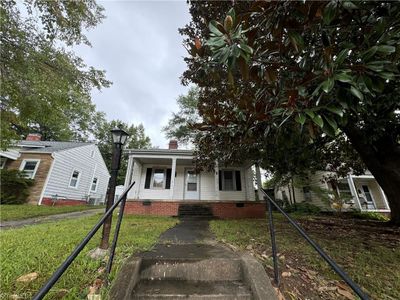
173 144
34 137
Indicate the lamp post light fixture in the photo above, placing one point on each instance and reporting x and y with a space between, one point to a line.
119 137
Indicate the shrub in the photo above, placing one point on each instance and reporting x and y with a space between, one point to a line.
14 187
303 207
371 215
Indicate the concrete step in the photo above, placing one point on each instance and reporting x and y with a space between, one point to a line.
194 290
191 269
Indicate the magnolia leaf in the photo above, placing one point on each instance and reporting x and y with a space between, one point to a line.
336 110
310 113
342 56
344 77
331 122
356 93
213 26
300 118
386 49
329 13
349 5
296 40
246 48
327 85
318 120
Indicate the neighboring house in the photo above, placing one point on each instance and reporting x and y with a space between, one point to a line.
165 179
363 192
64 173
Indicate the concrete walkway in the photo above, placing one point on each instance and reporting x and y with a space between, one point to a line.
189 263
51 218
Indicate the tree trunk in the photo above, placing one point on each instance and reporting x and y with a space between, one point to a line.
383 160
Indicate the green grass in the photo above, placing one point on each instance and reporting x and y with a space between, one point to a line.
42 248
26 211
370 258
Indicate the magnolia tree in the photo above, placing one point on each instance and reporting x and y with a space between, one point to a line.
303 72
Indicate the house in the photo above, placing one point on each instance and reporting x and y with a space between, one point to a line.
166 180
362 193
64 173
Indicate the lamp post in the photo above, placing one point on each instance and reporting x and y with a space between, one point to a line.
119 138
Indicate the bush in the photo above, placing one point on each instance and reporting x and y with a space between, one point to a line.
303 207
371 215
14 187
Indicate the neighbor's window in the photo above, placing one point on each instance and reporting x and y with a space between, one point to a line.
74 179
158 178
2 162
344 190
94 184
29 168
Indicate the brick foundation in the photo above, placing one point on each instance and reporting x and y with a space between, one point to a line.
223 210
62 202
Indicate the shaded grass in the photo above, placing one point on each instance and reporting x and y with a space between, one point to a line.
26 211
369 257
42 248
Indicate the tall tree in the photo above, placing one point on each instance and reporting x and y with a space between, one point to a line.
137 140
180 124
46 88
330 66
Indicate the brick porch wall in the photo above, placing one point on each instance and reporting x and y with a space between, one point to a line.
223 210
62 202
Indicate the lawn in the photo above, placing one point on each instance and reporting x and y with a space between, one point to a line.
368 251
26 211
41 248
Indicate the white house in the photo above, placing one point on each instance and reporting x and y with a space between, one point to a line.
362 192
64 173
165 180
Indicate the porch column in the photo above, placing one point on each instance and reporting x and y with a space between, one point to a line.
384 197
216 181
354 191
173 171
259 183
129 170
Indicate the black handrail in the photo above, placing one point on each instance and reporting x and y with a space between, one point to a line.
321 252
64 266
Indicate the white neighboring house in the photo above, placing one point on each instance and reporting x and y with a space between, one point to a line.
64 173
166 178
363 192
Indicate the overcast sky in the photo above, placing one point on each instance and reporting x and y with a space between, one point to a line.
139 46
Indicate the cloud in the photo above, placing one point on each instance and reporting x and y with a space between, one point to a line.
139 46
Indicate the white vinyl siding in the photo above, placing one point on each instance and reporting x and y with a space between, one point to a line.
65 162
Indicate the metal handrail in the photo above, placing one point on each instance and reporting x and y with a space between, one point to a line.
318 248
64 266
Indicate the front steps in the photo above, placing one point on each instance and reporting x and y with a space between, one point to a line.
194 210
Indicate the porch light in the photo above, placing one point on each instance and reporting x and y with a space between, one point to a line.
119 136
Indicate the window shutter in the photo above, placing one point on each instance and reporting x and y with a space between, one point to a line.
148 178
168 179
238 181
220 179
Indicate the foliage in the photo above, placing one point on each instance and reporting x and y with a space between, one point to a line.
180 124
303 208
14 187
281 80
19 212
137 140
45 87
370 215
42 248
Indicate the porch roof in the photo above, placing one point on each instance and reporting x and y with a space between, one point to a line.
160 156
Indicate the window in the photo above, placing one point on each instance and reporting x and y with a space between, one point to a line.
229 180
29 167
307 193
344 190
93 188
191 180
74 181
158 178
92 153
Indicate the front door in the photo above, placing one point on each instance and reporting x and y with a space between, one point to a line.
191 185
366 199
